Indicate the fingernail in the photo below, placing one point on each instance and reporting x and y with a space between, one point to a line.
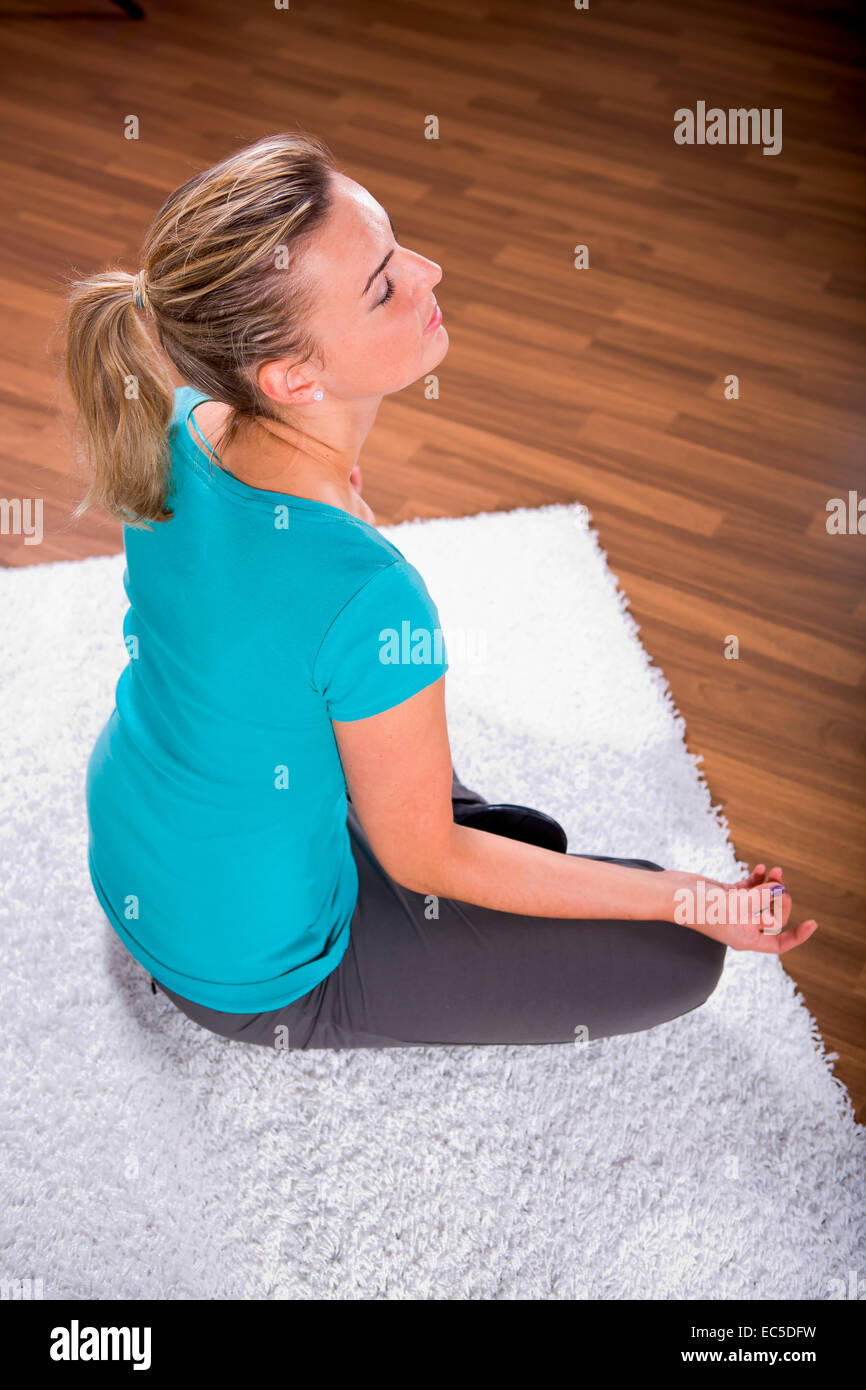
777 888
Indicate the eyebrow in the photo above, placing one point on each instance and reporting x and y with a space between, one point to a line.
380 268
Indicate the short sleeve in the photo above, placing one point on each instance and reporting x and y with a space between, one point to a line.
384 645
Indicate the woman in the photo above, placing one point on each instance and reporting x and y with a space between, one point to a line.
264 681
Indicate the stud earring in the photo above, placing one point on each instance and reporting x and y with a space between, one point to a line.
317 395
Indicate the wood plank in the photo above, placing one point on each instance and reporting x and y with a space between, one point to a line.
602 386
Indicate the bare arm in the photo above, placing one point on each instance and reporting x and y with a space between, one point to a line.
398 769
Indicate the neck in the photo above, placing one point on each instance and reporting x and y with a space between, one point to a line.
314 460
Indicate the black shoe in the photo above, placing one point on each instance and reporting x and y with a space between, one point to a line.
515 822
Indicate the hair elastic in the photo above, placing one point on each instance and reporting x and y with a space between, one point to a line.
139 293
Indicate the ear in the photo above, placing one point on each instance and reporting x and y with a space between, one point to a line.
285 382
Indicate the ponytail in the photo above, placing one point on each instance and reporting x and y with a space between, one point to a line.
124 398
223 297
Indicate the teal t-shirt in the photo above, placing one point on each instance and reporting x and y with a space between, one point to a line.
216 799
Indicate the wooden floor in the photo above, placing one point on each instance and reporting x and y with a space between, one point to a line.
603 385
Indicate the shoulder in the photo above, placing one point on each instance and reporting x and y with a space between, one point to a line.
369 559
385 593
185 397
383 645
373 549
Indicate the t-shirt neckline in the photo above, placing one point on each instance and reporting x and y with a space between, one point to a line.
227 482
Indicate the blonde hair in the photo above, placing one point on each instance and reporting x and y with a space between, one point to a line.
221 281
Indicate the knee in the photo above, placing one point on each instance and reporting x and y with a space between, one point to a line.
709 967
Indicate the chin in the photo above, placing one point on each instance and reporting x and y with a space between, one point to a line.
428 366
439 341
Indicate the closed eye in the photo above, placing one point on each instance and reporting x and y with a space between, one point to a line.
390 290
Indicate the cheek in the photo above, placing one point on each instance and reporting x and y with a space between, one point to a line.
385 352
384 356
400 338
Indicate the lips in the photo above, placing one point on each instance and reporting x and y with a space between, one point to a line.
434 320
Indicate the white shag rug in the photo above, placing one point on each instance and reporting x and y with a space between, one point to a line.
712 1157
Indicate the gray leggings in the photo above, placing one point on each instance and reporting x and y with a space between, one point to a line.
480 976
476 975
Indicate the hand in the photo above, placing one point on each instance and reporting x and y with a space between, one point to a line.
741 910
361 510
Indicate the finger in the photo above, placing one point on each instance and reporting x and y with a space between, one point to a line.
788 940
763 911
775 906
760 904
771 945
751 880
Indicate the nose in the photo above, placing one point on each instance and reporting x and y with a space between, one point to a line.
436 272
429 272
429 275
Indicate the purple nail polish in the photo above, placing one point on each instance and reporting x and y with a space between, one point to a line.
777 888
